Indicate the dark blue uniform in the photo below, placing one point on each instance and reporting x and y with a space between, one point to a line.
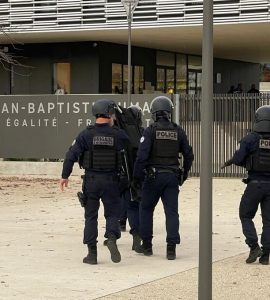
257 192
97 185
164 184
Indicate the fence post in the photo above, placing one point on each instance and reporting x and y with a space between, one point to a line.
177 109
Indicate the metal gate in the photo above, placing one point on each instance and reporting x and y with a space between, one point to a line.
233 118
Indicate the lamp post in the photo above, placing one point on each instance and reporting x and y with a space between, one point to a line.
129 6
206 209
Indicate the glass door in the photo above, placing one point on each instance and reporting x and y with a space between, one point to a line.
165 79
194 82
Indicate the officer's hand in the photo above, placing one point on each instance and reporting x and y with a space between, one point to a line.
63 182
226 164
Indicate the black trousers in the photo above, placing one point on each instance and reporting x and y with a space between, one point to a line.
132 211
106 188
164 186
256 193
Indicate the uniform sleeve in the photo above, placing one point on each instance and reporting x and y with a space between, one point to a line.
186 150
246 146
143 154
123 139
77 148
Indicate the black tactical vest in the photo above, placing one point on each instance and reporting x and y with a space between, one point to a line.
259 161
104 155
165 146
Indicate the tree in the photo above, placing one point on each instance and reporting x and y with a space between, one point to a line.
7 58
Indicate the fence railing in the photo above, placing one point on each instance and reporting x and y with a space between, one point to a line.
233 118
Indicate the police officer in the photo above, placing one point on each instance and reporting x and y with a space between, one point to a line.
158 154
130 209
254 154
98 148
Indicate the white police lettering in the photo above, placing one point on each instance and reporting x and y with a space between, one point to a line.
142 139
103 140
166 135
264 144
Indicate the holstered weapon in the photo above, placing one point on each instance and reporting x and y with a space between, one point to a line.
81 196
180 175
82 199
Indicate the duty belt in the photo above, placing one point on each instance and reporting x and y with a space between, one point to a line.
104 176
165 171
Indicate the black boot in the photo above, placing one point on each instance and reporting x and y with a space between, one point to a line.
254 253
264 259
147 248
171 252
91 257
136 243
112 246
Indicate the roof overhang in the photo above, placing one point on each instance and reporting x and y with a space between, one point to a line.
246 42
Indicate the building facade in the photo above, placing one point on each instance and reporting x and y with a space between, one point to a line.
79 46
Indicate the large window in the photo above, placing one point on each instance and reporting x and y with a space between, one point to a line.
194 74
181 74
165 72
117 78
120 79
138 79
61 78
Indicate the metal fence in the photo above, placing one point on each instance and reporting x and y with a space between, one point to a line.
43 126
233 119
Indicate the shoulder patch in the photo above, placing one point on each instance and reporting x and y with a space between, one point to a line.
142 139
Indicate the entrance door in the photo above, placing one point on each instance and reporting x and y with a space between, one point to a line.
194 82
165 79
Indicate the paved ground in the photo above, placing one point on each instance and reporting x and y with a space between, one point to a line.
41 248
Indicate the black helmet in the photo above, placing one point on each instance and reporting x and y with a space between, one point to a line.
137 112
162 106
262 119
103 108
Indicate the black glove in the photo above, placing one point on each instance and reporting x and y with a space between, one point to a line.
185 176
226 164
182 176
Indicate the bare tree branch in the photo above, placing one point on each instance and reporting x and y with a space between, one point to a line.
9 59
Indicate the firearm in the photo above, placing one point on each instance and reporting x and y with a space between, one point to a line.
180 173
135 193
126 167
82 198
227 163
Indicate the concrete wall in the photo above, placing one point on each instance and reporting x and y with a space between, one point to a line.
35 168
